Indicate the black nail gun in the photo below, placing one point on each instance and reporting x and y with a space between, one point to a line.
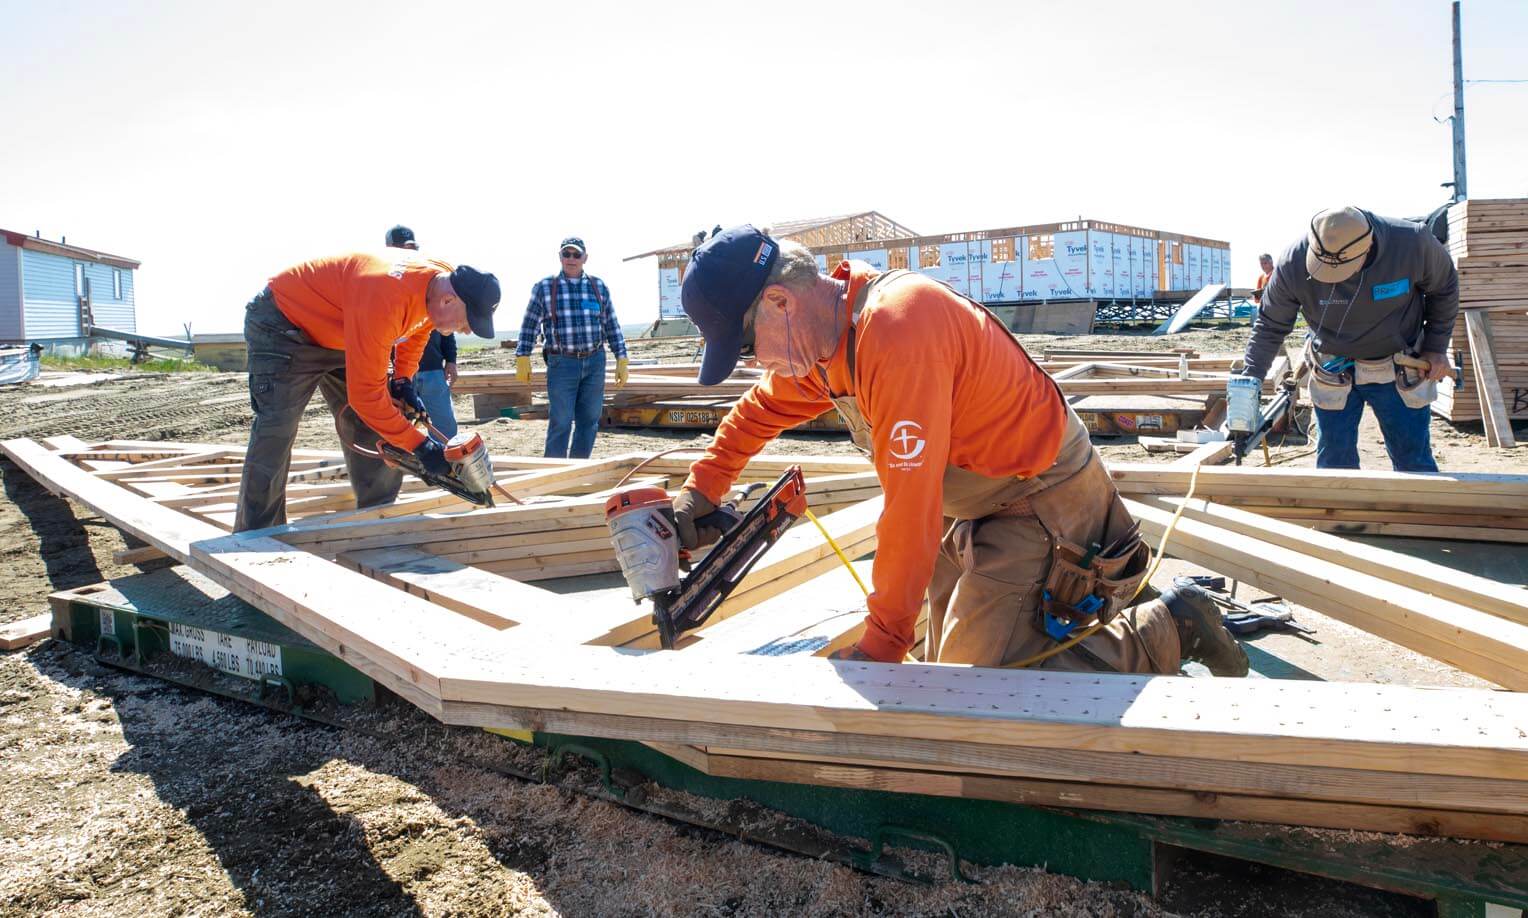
471 476
646 541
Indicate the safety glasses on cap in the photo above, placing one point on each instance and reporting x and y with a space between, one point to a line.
1327 257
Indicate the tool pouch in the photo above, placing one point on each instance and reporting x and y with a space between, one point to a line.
1328 391
1415 390
1379 371
1086 508
1079 588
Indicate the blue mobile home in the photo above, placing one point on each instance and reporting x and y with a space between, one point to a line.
49 290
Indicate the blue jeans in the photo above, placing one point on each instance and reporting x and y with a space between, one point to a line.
575 390
432 388
1407 431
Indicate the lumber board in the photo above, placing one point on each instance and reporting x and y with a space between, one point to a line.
1477 642
25 632
366 623
165 529
496 601
1254 779
1159 801
139 555
1498 423
1212 453
1387 728
1491 596
192 458
1419 531
1441 491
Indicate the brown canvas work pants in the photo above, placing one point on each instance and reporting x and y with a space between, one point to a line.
985 595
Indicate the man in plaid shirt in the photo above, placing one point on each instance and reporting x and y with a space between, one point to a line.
571 312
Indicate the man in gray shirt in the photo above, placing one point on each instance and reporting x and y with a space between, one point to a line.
1371 289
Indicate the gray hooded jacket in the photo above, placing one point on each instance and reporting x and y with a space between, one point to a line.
1407 290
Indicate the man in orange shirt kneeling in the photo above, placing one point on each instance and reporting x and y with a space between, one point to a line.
998 508
332 324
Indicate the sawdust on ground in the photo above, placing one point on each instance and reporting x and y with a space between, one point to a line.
120 794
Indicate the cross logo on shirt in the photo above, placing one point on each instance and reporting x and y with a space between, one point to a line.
906 442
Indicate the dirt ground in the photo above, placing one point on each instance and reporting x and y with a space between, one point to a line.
125 795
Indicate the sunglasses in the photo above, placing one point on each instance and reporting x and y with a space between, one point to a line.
572 253
1339 257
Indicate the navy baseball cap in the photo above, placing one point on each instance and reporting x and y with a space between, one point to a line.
480 293
724 277
573 242
399 236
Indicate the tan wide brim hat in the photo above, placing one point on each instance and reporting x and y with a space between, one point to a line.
1337 244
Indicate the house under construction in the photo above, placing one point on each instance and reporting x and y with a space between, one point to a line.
1086 263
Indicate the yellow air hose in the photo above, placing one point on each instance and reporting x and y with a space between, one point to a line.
838 551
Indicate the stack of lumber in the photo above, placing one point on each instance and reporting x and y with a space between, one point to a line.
1488 240
751 696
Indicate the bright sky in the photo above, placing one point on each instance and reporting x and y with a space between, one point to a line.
221 142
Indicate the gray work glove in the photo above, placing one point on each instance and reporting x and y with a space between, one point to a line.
690 506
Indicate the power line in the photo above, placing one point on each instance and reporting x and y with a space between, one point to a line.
1467 82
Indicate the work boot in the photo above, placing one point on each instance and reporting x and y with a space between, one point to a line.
1200 634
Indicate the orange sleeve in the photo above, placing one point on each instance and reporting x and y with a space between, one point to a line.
372 322
406 358
906 391
774 404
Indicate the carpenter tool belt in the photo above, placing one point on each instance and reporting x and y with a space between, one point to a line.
1093 583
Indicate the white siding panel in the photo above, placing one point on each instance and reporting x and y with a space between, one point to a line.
47 292
109 311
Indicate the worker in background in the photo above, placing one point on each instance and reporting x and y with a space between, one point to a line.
572 314
331 324
437 365
1375 292
997 505
1265 269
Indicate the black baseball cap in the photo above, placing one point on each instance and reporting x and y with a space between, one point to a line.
480 292
399 235
574 242
724 277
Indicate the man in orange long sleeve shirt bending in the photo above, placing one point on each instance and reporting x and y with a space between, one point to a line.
997 506
332 324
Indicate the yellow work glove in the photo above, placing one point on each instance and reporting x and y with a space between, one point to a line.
523 369
622 371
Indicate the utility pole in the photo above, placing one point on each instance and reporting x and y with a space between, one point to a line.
1459 187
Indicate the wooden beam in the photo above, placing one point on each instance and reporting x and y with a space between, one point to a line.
1078 795
1476 642
25 632
496 601
1507 601
138 555
370 625
1207 454
1493 411
165 529
1437 492
1205 775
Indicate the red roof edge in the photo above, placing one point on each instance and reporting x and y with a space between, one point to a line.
23 241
